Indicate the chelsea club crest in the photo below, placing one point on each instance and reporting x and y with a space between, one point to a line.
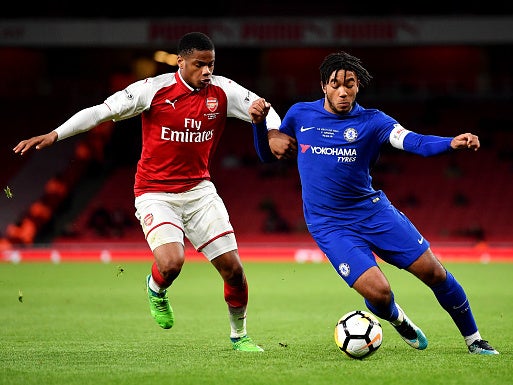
350 134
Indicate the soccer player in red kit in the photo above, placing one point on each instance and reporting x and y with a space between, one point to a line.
183 115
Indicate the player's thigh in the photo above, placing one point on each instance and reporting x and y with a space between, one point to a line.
207 223
428 269
160 219
394 237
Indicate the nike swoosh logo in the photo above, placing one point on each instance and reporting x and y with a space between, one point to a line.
421 240
303 129
463 304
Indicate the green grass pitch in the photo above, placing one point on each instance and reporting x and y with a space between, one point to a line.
89 323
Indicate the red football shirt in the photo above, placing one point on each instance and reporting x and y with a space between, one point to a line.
181 127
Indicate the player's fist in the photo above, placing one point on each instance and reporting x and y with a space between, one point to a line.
282 146
467 140
259 110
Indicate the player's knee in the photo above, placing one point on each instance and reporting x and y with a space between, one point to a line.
234 276
170 269
433 276
374 286
381 295
428 269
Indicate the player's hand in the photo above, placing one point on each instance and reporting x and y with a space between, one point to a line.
282 146
37 142
467 140
259 110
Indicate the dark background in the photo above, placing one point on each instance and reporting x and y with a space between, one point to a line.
441 90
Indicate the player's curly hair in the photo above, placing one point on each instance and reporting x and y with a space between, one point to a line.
343 61
194 41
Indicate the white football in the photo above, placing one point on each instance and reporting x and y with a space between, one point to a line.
358 334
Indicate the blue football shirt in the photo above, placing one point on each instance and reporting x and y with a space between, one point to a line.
335 155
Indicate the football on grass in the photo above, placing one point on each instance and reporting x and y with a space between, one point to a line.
358 334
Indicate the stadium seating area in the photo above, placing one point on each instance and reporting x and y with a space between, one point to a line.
454 197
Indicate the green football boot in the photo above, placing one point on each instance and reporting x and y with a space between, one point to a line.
160 308
245 344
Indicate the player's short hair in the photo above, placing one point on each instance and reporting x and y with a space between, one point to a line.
343 61
194 41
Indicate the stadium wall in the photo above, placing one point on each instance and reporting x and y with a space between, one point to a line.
259 32
280 251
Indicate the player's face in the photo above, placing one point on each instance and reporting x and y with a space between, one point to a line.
340 92
196 69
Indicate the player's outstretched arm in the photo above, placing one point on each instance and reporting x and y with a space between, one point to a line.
82 121
37 142
467 140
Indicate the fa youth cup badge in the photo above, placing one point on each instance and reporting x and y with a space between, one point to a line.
128 94
350 134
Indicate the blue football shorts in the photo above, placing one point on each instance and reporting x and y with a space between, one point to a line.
352 248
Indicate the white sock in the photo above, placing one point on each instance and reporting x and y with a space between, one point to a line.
469 340
400 318
154 287
237 317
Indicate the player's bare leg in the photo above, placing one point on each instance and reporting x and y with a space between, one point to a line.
169 259
379 298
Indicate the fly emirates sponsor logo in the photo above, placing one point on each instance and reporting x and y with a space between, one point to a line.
192 133
344 155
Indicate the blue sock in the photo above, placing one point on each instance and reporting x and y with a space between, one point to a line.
452 297
388 313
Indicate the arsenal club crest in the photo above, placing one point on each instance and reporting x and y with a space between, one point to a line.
212 104
148 219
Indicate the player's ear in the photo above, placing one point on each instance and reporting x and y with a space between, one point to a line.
323 87
179 61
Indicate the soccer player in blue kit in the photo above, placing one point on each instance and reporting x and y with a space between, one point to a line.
337 141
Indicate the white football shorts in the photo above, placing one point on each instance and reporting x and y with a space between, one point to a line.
198 214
